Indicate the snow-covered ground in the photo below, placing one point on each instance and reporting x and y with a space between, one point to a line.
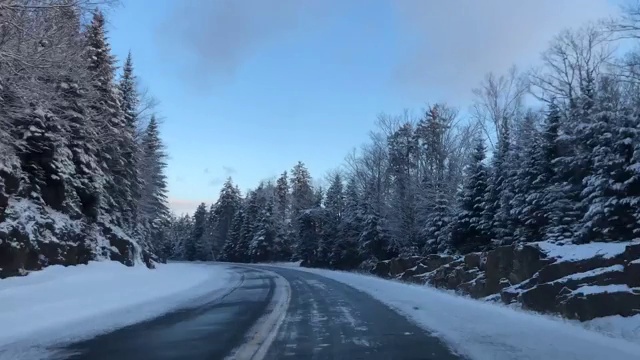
575 252
61 304
486 331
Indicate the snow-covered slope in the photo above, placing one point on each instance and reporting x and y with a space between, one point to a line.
486 331
60 304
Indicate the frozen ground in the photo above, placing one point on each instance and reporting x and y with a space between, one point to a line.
486 331
61 304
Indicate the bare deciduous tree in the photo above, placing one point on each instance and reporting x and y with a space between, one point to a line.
573 57
498 102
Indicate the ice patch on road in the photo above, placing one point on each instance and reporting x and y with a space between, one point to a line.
487 331
348 318
64 304
316 283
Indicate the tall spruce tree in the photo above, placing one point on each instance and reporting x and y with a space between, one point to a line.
130 149
470 231
108 119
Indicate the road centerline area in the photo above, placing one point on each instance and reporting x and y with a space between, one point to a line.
271 313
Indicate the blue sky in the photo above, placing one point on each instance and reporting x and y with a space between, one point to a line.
249 87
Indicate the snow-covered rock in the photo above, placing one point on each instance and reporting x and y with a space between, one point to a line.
581 282
34 236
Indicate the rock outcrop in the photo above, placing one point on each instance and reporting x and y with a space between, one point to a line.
33 237
576 281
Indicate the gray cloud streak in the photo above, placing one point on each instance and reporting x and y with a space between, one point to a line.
228 170
218 36
457 42
446 45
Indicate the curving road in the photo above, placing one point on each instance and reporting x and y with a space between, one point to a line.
271 313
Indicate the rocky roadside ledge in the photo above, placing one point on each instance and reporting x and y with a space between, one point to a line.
580 282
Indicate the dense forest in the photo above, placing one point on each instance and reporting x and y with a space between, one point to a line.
81 159
552 153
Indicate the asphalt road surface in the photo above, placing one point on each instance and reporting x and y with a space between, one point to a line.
295 315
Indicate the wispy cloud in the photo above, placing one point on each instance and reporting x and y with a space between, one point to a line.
228 170
218 36
445 46
216 181
454 43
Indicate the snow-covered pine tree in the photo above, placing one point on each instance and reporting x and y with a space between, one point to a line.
108 119
310 226
231 250
130 148
261 247
223 212
179 233
210 225
302 195
345 254
527 183
282 244
613 131
199 247
469 231
153 209
334 205
251 210
438 222
402 219
282 198
571 167
302 199
495 214
374 242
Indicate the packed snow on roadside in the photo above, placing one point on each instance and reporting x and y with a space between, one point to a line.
61 304
487 331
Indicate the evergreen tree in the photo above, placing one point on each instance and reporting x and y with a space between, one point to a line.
282 242
302 199
496 210
230 251
529 182
345 254
334 208
261 247
153 209
199 248
108 119
223 212
437 227
612 133
129 150
374 242
402 224
302 196
282 198
470 231
309 236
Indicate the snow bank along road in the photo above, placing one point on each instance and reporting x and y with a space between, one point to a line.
276 312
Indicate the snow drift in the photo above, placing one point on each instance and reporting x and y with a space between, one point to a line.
486 331
61 304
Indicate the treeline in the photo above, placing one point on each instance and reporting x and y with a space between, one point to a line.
567 171
81 159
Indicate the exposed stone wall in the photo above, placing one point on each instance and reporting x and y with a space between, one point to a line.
582 289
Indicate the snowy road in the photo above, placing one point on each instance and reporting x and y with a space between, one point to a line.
265 317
